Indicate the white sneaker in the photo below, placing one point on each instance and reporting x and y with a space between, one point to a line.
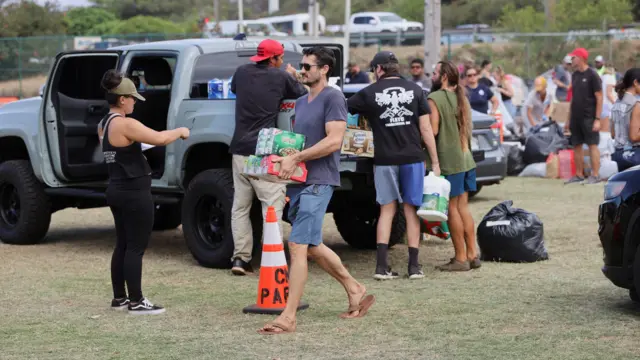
145 307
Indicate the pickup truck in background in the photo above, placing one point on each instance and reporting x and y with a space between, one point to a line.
50 157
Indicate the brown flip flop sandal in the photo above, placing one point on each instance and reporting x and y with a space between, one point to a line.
362 308
277 327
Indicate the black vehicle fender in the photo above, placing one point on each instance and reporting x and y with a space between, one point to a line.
631 240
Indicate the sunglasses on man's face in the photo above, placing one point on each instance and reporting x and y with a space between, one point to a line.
306 67
416 67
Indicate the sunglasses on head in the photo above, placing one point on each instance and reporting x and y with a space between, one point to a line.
306 67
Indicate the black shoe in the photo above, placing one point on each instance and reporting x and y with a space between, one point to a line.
382 274
241 267
415 272
145 307
120 304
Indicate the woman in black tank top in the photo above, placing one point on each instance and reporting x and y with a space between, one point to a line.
129 189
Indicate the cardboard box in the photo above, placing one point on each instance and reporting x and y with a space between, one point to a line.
263 167
358 142
560 112
272 141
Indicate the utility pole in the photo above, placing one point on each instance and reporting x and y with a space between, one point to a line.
429 51
549 8
437 31
314 12
347 32
216 11
240 16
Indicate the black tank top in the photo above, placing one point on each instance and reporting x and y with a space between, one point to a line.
504 97
123 163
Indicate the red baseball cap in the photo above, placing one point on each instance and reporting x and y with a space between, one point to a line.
580 52
266 49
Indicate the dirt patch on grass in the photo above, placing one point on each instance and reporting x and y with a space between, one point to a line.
562 308
30 86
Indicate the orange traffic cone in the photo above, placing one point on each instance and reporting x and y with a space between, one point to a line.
273 286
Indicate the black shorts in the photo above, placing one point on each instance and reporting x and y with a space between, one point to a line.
582 132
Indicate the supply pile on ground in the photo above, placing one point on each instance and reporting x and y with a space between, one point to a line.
548 154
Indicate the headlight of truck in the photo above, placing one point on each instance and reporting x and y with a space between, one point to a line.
613 189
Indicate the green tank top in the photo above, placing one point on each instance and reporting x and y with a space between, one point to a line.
452 159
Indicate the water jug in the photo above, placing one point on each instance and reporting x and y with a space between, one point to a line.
435 199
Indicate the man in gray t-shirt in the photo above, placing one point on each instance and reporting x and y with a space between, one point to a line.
321 116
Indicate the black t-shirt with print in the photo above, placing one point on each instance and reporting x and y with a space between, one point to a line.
393 107
584 86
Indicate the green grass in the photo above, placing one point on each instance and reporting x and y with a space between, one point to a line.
55 298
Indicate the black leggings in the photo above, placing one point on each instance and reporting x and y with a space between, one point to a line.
133 209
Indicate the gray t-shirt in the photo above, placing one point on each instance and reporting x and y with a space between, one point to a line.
621 118
563 76
311 118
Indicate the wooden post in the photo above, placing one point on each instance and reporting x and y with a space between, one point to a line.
429 51
437 32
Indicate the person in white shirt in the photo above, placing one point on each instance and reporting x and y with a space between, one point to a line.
609 96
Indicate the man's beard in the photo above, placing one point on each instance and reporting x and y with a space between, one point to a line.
310 83
437 84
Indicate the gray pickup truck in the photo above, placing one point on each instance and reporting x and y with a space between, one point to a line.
50 157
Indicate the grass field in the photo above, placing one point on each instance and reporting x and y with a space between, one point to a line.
55 298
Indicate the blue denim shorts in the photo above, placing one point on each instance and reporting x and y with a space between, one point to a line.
462 182
403 183
307 207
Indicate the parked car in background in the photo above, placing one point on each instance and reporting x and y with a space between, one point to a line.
488 150
618 229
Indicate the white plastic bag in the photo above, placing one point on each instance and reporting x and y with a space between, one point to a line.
435 199
534 170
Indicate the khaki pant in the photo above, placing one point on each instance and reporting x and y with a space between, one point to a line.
269 194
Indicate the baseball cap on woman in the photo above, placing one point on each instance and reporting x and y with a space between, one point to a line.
127 88
268 48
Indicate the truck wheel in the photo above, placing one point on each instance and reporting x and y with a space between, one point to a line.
167 217
206 214
474 193
357 224
25 210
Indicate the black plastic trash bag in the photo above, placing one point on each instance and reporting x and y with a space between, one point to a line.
510 234
515 160
542 140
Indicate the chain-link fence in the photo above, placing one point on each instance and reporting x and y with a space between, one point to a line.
25 62
530 55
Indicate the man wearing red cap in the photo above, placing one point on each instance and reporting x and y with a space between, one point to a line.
259 89
584 118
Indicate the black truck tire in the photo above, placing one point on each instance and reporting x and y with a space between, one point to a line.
25 209
206 218
357 222
167 217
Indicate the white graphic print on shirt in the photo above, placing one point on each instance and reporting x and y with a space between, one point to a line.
393 98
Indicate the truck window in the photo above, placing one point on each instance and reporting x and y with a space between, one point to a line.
80 76
223 66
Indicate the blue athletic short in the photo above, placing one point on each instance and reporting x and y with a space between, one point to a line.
462 182
403 183
307 207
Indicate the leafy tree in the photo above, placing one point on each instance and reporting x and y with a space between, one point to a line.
126 9
146 25
568 15
26 18
81 20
